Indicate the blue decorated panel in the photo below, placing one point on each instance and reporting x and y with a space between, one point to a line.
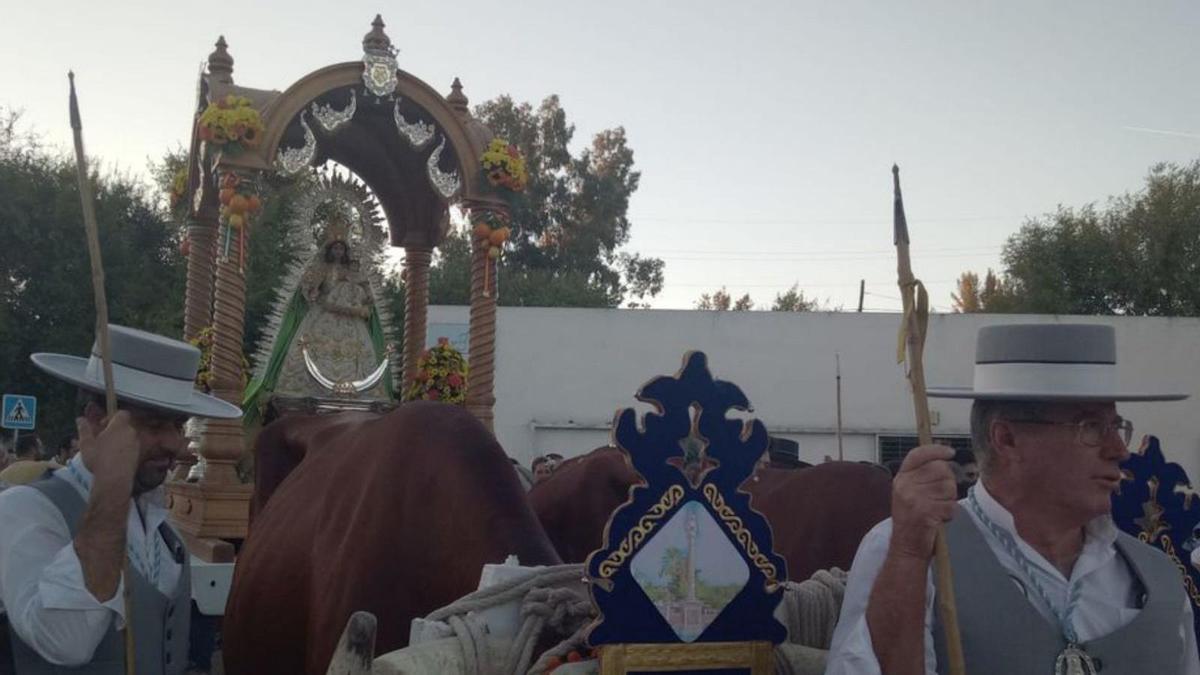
1156 503
686 559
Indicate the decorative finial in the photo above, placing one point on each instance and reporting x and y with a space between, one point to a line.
899 221
74 103
220 63
379 61
376 41
457 99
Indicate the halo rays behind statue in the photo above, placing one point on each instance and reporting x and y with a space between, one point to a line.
328 324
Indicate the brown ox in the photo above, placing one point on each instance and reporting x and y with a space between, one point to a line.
818 514
393 514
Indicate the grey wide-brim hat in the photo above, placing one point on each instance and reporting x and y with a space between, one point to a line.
148 370
1047 362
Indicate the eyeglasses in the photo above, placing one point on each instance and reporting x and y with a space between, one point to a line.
1092 432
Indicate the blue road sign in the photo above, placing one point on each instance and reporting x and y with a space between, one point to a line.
20 412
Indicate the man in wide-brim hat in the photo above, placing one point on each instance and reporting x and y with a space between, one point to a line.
64 539
1044 581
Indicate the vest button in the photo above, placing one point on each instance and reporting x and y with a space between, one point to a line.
168 634
170 611
168 657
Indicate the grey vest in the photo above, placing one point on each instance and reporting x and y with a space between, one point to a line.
1003 633
160 623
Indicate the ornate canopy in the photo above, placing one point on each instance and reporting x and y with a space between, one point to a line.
417 152
416 149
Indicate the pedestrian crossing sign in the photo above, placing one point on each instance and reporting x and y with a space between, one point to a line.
19 412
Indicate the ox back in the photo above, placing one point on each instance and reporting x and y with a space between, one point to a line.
818 514
393 514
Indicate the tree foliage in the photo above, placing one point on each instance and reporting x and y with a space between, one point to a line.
46 298
569 224
721 301
994 296
793 300
270 247
1140 255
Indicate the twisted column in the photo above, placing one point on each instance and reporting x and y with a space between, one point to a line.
198 302
202 240
481 361
221 442
416 308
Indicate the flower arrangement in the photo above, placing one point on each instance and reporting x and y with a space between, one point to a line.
231 123
205 377
441 375
505 165
239 202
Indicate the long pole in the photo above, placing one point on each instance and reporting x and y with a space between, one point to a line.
110 394
838 367
916 307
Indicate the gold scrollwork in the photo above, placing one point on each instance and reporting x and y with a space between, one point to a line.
636 535
734 523
1169 549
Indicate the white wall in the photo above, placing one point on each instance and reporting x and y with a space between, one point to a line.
561 374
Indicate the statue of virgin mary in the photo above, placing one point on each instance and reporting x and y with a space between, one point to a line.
330 341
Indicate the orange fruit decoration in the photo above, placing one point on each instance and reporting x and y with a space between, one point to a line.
498 236
482 231
254 203
238 204
226 195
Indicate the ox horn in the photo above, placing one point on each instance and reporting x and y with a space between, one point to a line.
356 650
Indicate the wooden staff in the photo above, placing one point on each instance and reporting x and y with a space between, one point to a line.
110 394
912 341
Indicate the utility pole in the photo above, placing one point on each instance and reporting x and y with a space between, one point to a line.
862 290
838 361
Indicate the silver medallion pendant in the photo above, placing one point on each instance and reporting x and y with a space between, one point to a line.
1074 661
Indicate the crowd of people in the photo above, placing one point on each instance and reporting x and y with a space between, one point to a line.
28 459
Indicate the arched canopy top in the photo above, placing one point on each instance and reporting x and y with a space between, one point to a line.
417 150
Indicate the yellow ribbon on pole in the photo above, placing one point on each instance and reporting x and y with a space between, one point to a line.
917 306
912 347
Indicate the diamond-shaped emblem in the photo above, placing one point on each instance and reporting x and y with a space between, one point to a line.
690 570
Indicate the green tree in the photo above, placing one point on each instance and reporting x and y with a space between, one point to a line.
721 301
270 249
793 300
568 225
1137 256
46 300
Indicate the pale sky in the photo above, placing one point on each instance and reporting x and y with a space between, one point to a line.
764 131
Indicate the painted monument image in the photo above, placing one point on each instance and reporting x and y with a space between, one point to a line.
690 571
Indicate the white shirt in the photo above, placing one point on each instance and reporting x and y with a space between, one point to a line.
41 580
1106 584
